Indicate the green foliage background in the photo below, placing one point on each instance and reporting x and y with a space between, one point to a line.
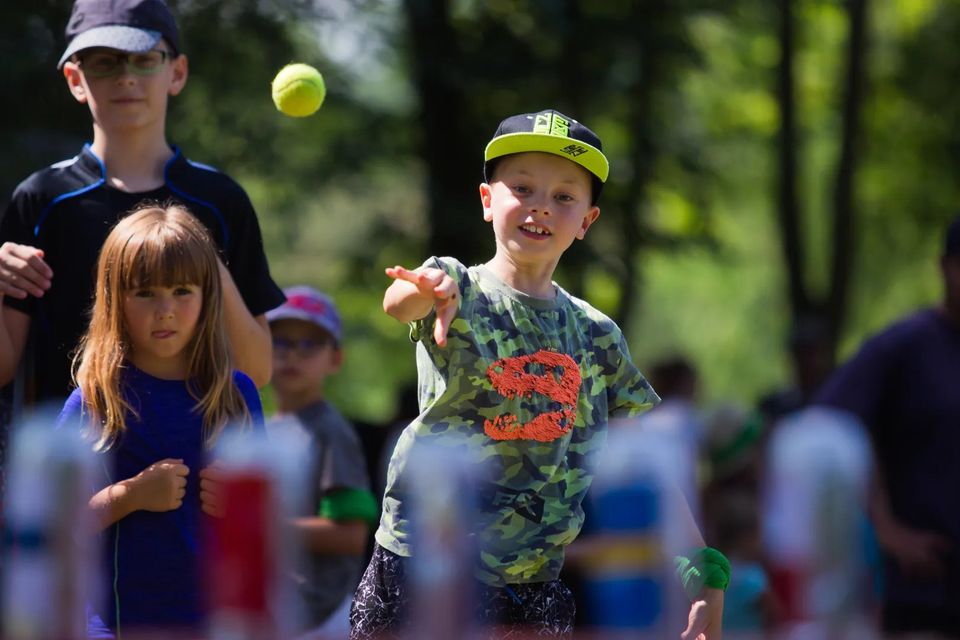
681 92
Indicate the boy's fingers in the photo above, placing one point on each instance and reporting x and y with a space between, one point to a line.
38 266
424 280
431 277
8 289
24 262
401 273
440 333
25 281
35 259
446 312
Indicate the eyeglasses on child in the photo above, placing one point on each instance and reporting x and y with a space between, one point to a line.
303 346
105 64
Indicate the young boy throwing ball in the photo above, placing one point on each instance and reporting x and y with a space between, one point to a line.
518 371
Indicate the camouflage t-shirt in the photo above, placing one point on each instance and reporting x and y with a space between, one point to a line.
527 385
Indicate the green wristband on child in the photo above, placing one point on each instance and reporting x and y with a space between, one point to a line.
349 503
706 567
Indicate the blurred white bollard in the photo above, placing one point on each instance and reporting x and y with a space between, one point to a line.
640 523
819 466
444 482
252 550
684 425
50 555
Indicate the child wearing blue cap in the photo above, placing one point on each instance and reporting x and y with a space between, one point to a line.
307 348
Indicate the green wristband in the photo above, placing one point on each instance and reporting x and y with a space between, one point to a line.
705 567
350 503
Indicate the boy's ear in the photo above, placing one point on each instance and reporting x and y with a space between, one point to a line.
486 194
181 70
71 73
588 220
337 358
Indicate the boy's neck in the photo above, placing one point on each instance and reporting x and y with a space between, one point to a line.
533 280
135 163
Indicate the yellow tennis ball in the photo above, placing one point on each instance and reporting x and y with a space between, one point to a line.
298 90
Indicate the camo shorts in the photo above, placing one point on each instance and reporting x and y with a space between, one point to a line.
383 604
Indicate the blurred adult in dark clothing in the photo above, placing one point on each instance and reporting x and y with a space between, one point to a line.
810 358
904 384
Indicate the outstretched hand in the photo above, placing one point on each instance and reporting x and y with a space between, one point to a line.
706 617
437 286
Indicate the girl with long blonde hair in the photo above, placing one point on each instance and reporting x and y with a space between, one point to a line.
155 388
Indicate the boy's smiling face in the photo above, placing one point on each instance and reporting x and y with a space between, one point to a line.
539 203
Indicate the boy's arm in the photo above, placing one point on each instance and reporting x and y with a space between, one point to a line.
706 609
159 487
323 535
343 521
249 335
14 328
413 294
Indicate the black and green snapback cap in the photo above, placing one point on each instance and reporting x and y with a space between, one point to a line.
548 131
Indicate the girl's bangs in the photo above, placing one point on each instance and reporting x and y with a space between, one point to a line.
164 261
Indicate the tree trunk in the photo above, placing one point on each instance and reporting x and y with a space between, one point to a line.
789 210
643 157
455 220
826 310
844 207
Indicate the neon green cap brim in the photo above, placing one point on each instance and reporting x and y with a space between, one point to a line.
585 155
